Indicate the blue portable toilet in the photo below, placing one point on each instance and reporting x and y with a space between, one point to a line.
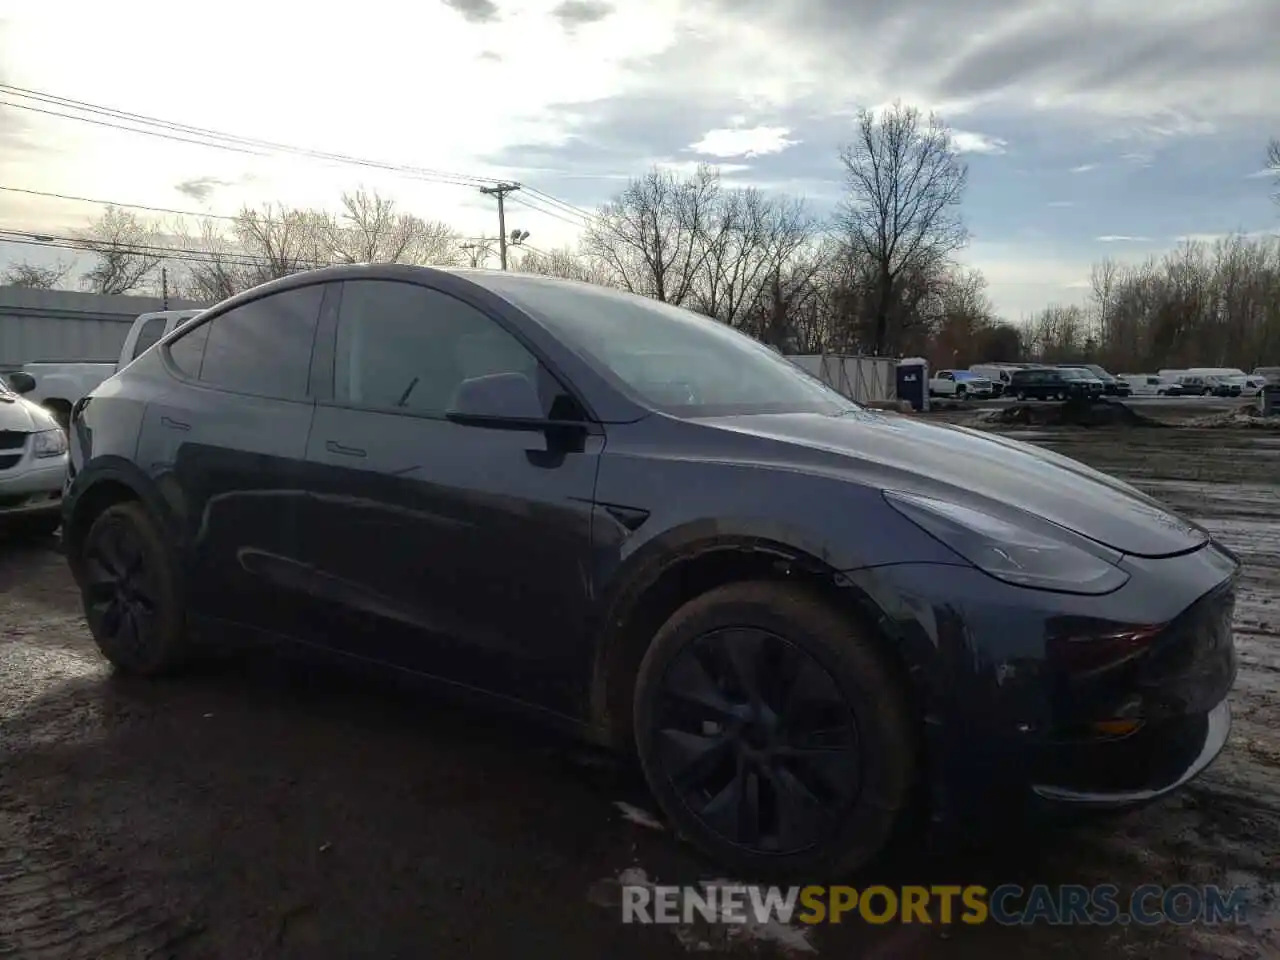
913 382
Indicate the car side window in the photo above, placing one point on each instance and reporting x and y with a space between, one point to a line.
187 351
405 347
148 336
264 346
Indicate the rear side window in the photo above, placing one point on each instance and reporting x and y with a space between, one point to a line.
148 336
264 346
187 351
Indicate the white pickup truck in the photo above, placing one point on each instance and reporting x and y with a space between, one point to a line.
60 386
960 384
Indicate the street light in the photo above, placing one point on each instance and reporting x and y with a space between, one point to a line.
518 237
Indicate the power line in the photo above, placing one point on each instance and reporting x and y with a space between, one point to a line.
185 133
188 133
537 208
199 214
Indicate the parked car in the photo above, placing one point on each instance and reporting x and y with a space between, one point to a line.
997 373
1111 386
33 460
59 386
792 608
1269 374
1194 386
1151 385
1053 383
960 385
1222 387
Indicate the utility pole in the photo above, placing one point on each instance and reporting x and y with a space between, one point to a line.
500 191
164 287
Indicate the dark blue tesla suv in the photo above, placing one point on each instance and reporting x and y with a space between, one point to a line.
805 617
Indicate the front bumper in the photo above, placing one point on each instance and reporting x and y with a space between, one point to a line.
1009 727
32 486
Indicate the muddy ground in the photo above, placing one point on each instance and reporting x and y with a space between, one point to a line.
274 809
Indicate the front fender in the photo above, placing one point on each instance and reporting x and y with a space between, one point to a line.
110 479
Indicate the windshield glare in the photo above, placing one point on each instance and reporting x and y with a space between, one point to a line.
674 360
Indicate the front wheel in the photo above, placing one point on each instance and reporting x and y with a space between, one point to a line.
772 732
1022 395
127 584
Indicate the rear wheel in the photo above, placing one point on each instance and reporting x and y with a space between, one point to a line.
129 592
772 732
1022 395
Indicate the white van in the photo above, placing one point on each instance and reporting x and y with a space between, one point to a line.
1148 384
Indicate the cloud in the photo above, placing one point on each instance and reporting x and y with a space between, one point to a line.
201 188
1120 238
475 11
572 14
1061 203
967 141
685 168
1085 168
739 142
1267 174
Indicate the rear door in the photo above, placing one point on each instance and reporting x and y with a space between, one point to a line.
456 551
226 442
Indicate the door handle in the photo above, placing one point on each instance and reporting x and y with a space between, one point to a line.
334 447
175 424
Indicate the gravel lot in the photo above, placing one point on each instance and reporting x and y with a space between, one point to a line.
271 809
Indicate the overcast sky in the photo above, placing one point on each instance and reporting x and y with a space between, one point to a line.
1092 129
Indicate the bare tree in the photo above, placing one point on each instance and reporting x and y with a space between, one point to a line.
371 230
1273 164
748 241
479 252
650 238
904 182
34 276
127 249
563 262
212 269
277 242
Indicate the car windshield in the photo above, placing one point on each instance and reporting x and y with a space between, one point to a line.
964 375
675 360
1071 373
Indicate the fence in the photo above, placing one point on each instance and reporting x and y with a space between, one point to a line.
64 325
862 379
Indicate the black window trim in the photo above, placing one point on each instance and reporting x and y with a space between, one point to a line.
188 326
591 422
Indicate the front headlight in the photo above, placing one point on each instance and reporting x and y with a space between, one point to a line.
49 443
1035 554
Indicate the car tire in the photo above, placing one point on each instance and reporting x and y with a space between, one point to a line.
1022 395
129 591
808 823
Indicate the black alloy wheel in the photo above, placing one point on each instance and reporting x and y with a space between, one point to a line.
757 740
126 583
772 732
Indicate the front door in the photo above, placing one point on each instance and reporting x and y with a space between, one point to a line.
226 441
457 551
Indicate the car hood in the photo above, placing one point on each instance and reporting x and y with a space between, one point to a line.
18 413
980 469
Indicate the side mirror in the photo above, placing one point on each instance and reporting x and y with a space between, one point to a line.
498 400
21 383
